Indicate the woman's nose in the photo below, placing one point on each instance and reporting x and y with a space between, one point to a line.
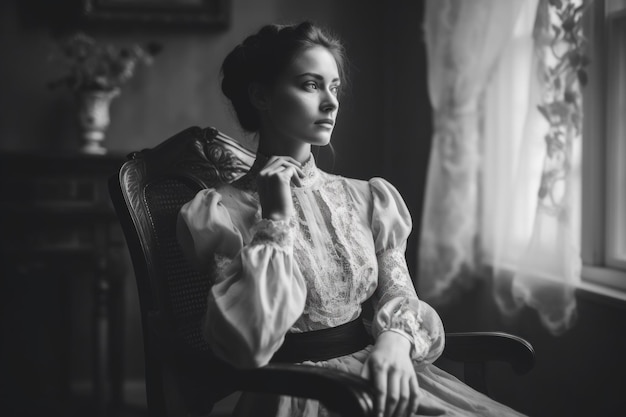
330 102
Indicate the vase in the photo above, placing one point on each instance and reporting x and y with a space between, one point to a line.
94 118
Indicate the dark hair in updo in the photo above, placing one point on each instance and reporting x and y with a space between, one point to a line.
262 57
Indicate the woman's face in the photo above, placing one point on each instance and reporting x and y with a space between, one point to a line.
302 105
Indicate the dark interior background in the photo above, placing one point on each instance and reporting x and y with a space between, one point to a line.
384 129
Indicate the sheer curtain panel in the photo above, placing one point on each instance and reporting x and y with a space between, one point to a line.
464 41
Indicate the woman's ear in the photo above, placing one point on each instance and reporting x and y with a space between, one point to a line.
259 96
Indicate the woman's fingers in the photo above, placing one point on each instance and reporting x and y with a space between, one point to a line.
284 162
285 169
397 393
274 186
380 383
403 398
414 395
394 390
283 158
294 176
287 174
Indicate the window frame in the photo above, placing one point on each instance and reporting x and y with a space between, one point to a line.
603 269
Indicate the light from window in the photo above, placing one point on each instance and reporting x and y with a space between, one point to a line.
604 147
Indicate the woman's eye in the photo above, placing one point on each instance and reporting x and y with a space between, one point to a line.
335 90
310 85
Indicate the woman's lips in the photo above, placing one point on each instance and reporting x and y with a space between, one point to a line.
325 122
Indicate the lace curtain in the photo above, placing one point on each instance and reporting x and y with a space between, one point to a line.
464 40
531 223
486 200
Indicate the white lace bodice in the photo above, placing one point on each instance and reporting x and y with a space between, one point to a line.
344 245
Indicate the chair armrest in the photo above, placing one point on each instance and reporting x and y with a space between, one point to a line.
477 347
347 394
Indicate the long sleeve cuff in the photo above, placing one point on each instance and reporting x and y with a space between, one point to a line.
412 319
277 232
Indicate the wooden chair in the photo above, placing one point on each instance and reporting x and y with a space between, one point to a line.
183 378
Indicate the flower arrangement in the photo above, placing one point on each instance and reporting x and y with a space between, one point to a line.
100 67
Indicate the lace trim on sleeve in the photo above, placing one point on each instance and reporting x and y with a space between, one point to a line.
395 278
265 232
404 317
404 320
277 232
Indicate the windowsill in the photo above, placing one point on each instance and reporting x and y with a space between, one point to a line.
598 283
603 281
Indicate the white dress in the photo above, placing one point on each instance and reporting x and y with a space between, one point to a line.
345 244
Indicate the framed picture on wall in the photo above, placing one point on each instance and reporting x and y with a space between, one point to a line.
179 13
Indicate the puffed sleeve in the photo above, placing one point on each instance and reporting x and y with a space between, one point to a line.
259 292
396 305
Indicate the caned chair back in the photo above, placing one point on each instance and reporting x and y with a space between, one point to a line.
147 193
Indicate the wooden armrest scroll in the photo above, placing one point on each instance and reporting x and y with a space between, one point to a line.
476 347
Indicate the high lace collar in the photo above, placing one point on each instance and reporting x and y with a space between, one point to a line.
309 168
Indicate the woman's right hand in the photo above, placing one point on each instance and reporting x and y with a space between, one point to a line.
274 186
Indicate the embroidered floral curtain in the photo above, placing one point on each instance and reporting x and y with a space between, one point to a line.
532 180
502 191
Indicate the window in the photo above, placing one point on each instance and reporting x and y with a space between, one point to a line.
604 149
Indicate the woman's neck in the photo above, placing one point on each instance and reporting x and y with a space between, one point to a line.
272 146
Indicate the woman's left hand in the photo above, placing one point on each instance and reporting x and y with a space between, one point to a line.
390 369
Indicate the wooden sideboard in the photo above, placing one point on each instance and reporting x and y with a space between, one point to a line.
58 229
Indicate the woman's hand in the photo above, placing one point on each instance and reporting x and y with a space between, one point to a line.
390 369
274 185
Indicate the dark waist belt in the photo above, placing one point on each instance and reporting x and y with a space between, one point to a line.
325 344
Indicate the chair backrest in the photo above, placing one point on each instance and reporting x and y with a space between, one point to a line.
147 193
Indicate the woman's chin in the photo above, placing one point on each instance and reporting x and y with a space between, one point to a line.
320 140
322 143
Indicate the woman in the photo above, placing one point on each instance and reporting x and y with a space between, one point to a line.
299 250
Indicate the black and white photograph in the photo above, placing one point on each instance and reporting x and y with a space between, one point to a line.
290 208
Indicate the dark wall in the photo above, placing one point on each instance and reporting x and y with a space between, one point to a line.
182 87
